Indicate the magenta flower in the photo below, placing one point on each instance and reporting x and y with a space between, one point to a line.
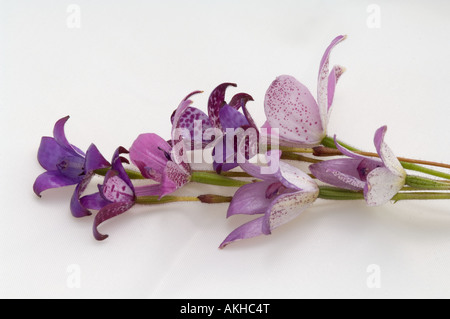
380 179
290 107
279 197
115 196
160 160
67 165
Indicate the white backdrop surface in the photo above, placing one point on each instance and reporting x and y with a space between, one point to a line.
119 68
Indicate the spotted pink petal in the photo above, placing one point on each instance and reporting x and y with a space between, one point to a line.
286 207
387 156
175 176
290 107
381 186
116 189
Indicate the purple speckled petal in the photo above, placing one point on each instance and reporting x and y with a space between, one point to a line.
381 186
60 137
50 153
294 178
250 199
216 101
174 177
94 201
248 230
387 156
290 107
76 207
323 85
148 154
342 172
51 179
108 212
187 120
231 118
117 165
94 160
286 207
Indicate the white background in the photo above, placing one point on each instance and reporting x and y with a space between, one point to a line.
124 71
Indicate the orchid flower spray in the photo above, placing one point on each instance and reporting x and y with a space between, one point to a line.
276 192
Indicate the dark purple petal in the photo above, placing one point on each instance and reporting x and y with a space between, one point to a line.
94 201
94 159
250 199
231 118
50 153
248 230
51 179
72 167
148 154
60 137
76 207
108 212
216 101
342 172
239 100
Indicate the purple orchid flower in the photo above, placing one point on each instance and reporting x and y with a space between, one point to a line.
160 160
380 179
67 165
280 197
228 118
290 107
115 196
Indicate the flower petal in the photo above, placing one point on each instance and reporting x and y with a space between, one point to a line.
94 160
231 118
108 212
188 119
94 201
216 101
324 87
381 186
248 230
294 178
250 199
342 172
76 207
174 177
286 207
60 137
115 189
50 153
51 179
148 154
387 156
240 100
290 107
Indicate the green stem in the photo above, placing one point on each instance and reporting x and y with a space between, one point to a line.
420 196
419 182
216 179
154 200
298 157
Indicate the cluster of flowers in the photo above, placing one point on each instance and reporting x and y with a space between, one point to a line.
294 116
